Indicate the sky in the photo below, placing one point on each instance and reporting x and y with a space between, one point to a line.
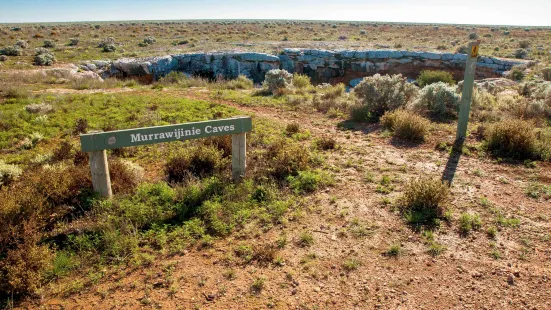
486 12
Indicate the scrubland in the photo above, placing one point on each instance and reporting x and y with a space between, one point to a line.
353 197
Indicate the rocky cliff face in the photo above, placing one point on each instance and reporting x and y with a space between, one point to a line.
321 65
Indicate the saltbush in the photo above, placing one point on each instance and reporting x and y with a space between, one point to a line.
39 108
48 44
428 77
44 57
22 44
11 51
277 80
9 173
74 41
406 125
439 100
384 93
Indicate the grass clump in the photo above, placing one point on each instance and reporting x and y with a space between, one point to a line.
285 158
468 222
428 77
305 239
326 143
309 181
406 125
351 264
379 94
395 250
424 201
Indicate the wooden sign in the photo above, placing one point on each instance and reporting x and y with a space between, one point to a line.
474 51
96 144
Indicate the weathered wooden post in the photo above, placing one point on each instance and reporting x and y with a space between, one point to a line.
101 180
238 155
467 95
96 143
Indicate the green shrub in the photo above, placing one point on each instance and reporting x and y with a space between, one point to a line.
74 41
512 138
196 161
301 81
149 40
424 200
292 128
468 222
516 74
21 44
428 77
406 125
108 48
384 93
241 82
326 143
48 44
277 80
285 158
546 73
439 100
11 51
44 57
308 181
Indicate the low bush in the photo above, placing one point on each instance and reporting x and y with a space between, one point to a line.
11 51
424 200
9 173
21 44
308 181
241 82
546 73
428 77
44 57
301 81
439 100
125 176
74 41
406 125
277 80
49 44
109 48
325 143
379 94
201 160
468 222
284 158
39 108
149 40
512 138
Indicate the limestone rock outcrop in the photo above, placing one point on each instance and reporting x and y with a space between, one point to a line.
322 66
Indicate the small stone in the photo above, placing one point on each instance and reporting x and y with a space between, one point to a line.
317 289
511 279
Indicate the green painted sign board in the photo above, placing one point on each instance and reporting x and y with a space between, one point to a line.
93 142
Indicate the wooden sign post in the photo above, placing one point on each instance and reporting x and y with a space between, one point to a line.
96 144
467 96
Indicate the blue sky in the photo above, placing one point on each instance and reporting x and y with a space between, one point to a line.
492 12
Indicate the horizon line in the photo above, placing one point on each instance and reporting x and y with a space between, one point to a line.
263 19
